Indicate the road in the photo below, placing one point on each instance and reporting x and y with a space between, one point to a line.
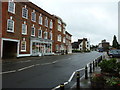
46 72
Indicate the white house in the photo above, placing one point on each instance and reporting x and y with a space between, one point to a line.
82 45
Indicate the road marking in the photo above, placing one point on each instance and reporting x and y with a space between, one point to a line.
25 68
8 72
69 58
21 69
24 61
37 64
80 69
54 62
46 63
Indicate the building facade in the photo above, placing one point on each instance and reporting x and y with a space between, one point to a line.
103 46
68 43
28 30
59 36
82 45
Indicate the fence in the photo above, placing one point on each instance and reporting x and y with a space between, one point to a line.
89 68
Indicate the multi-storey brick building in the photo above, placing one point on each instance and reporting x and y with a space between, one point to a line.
59 36
28 30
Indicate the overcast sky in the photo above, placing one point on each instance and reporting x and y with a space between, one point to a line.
92 19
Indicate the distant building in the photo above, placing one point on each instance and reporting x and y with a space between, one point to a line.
68 43
82 45
103 46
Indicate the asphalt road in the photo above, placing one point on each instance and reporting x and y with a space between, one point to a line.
44 72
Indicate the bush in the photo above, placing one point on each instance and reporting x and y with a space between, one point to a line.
109 66
112 81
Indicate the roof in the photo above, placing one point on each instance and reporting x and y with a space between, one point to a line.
68 33
75 45
37 8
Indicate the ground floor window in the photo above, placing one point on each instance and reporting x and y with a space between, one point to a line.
41 48
23 46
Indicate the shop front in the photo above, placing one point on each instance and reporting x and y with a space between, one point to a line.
41 47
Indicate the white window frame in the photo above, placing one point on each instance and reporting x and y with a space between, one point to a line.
59 27
59 38
46 22
31 31
40 19
33 18
12 26
26 13
24 47
59 21
64 39
11 1
25 29
40 36
50 35
51 24
63 30
46 35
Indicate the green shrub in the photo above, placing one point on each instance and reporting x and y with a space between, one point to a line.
109 66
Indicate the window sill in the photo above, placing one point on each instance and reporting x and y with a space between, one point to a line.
23 50
10 31
33 21
32 35
11 12
25 17
24 34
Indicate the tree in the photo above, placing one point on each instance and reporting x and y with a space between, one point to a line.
115 43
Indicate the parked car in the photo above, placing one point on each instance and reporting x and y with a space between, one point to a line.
114 53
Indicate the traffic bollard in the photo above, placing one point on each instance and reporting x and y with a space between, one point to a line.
61 86
96 63
90 68
86 72
78 80
93 66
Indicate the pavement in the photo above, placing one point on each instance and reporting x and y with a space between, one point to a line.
85 83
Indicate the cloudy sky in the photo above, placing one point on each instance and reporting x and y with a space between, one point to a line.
92 19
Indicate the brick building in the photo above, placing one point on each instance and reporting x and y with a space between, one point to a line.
103 46
28 30
59 36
